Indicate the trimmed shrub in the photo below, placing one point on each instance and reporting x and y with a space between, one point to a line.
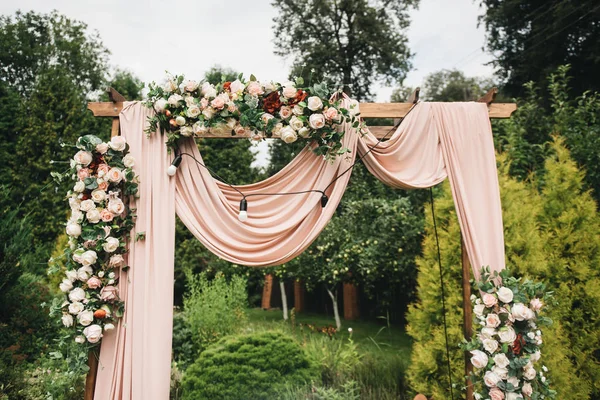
254 366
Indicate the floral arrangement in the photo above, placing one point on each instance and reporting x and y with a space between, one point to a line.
506 347
98 228
257 109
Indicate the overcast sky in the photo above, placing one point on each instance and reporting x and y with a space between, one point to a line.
149 37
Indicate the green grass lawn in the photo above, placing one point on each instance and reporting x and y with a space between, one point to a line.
372 337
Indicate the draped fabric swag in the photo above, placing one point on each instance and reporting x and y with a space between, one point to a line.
435 141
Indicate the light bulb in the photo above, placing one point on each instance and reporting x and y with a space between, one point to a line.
243 216
172 170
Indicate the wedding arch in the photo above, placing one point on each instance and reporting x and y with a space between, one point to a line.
435 141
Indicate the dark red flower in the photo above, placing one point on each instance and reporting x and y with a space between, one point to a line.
300 96
518 344
272 102
227 86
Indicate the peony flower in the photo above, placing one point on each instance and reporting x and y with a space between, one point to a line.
76 307
89 257
108 327
83 158
79 339
84 273
254 88
304 132
491 379
479 359
490 345
93 333
102 148
520 312
505 295
314 103
190 85
507 335
288 135
67 320
316 121
77 294
496 394
129 161
108 293
285 112
94 282
186 131
79 187
106 216
492 320
118 143
501 360
289 92
111 245
489 300
116 206
160 105
65 285
73 229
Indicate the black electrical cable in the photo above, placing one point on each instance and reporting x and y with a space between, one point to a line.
437 241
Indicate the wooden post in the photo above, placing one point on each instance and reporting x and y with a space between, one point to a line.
467 312
267 290
90 379
351 311
298 296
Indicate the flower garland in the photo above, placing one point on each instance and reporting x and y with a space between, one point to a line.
507 342
263 110
98 229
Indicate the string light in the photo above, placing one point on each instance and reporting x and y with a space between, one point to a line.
243 215
172 170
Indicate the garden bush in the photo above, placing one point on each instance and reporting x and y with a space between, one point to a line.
253 366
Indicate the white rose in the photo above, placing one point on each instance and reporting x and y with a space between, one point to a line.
535 357
491 379
288 135
199 128
84 273
111 244
231 123
74 203
93 333
115 175
479 359
65 285
269 87
77 294
529 372
109 327
116 206
492 320
93 216
296 123
487 333
353 107
83 158
298 109
76 216
314 103
478 309
236 86
513 380
73 229
75 308
102 148
501 372
505 295
277 130
80 339
117 143
304 132
71 275
521 312
289 92
89 257
490 345
536 304
129 161
77 255
501 360
527 390
87 205
67 320
316 121
186 131
208 112
98 195
190 85
513 396
160 105
507 335
169 84
79 187
193 111
174 99
85 317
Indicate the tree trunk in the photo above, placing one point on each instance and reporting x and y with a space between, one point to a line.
267 289
298 296
283 300
336 313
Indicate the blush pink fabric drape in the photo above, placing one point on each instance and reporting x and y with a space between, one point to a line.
135 358
434 141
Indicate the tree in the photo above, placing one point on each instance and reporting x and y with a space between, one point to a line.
347 43
531 38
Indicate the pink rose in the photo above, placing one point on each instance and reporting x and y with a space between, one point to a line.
117 143
240 130
94 282
103 170
106 215
496 394
316 121
489 300
254 88
102 148
217 103
285 112
83 157
536 304
231 108
492 320
108 293
203 103
116 261
115 175
190 86
103 186
331 114
289 92
116 206
93 333
83 173
266 117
